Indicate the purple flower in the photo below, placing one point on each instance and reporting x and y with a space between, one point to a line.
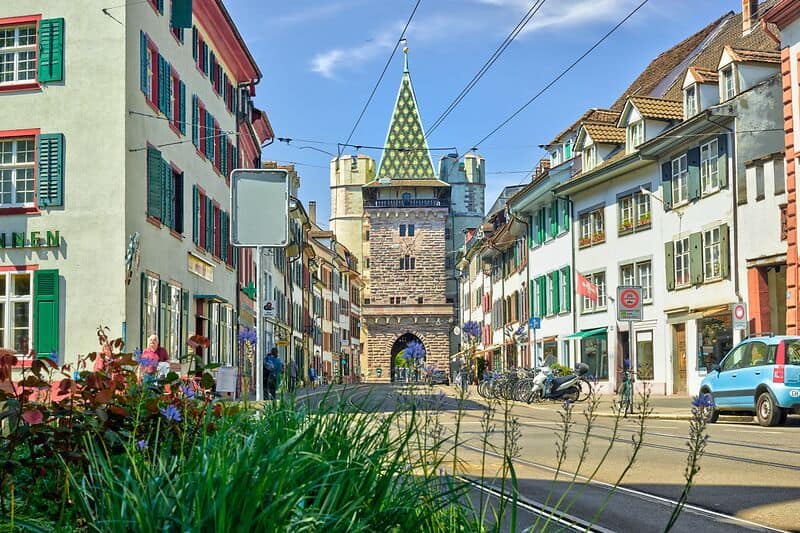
187 391
414 350
137 354
703 400
248 336
171 413
141 444
472 329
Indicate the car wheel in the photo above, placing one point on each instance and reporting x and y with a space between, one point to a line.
784 416
767 412
710 412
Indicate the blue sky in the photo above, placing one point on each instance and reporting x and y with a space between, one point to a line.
321 58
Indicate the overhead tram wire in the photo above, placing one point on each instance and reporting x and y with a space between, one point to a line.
487 65
561 75
380 78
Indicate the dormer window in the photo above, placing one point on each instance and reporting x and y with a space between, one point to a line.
691 101
589 157
555 157
635 135
567 150
728 83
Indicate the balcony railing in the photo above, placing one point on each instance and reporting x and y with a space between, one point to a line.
425 202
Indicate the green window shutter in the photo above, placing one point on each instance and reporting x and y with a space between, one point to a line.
181 13
669 263
144 57
182 107
51 50
666 182
205 58
155 182
209 224
184 321
696 257
563 215
554 218
724 250
163 304
693 160
223 237
540 228
567 279
50 179
531 227
195 215
195 121
722 160
168 198
556 302
162 94
542 289
45 312
160 5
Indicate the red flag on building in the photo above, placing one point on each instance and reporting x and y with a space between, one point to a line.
587 288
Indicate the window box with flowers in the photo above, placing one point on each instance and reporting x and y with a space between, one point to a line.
625 227
584 242
598 237
634 212
644 220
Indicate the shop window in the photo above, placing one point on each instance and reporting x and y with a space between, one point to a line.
16 319
715 337
594 352
644 355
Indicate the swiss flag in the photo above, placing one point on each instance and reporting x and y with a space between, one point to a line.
587 288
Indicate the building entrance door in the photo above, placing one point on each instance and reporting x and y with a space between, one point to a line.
679 359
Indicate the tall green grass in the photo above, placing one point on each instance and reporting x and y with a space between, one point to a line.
284 469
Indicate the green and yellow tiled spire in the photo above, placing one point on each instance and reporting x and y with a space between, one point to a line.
406 155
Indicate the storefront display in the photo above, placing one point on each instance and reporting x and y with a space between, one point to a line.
715 339
594 352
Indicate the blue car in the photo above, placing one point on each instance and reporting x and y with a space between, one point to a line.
760 375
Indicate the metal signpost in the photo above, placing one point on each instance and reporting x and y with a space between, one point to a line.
534 323
259 219
629 309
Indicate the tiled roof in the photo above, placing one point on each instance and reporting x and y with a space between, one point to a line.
406 155
704 75
741 55
410 183
594 115
658 108
604 133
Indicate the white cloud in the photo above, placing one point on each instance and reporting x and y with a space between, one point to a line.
309 14
327 63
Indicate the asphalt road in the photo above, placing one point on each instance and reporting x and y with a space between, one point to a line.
749 477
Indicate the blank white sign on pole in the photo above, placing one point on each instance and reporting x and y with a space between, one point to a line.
260 207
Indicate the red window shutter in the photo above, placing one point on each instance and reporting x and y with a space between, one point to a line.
154 81
202 130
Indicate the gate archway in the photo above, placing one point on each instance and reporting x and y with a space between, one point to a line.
399 345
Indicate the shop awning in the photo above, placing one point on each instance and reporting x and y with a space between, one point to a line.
211 298
586 333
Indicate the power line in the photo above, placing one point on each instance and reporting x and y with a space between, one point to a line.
562 74
383 73
220 134
488 64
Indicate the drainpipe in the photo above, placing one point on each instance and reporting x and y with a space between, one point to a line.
735 191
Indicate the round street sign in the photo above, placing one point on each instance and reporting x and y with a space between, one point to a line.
738 311
629 298
739 316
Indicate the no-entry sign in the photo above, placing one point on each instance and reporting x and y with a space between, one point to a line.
629 303
740 316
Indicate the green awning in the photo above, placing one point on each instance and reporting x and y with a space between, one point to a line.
586 333
211 298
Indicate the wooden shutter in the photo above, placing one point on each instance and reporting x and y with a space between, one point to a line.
51 50
724 250
209 224
669 263
541 284
554 218
195 43
144 57
163 305
556 291
223 236
540 226
45 312
168 196
182 106
184 322
195 215
564 218
696 257
177 202
567 304
195 122
666 188
693 160
50 178
722 160
155 183
181 13
202 221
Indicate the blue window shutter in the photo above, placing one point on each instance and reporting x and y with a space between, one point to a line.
182 13
51 50
194 43
50 179
195 121
161 93
161 6
693 159
722 159
155 182
182 107
168 196
195 215
144 58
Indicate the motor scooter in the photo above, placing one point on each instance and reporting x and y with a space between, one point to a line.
573 387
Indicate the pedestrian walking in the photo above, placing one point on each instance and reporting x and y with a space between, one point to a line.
292 375
270 370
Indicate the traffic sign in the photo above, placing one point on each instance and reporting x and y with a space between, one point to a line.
739 316
259 207
629 303
535 322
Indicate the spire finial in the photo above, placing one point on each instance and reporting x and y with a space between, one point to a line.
405 56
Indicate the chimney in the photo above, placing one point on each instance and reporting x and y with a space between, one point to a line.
312 212
749 15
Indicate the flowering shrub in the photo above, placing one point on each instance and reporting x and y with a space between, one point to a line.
50 413
472 330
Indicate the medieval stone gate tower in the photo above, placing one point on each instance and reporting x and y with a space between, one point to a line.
403 220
